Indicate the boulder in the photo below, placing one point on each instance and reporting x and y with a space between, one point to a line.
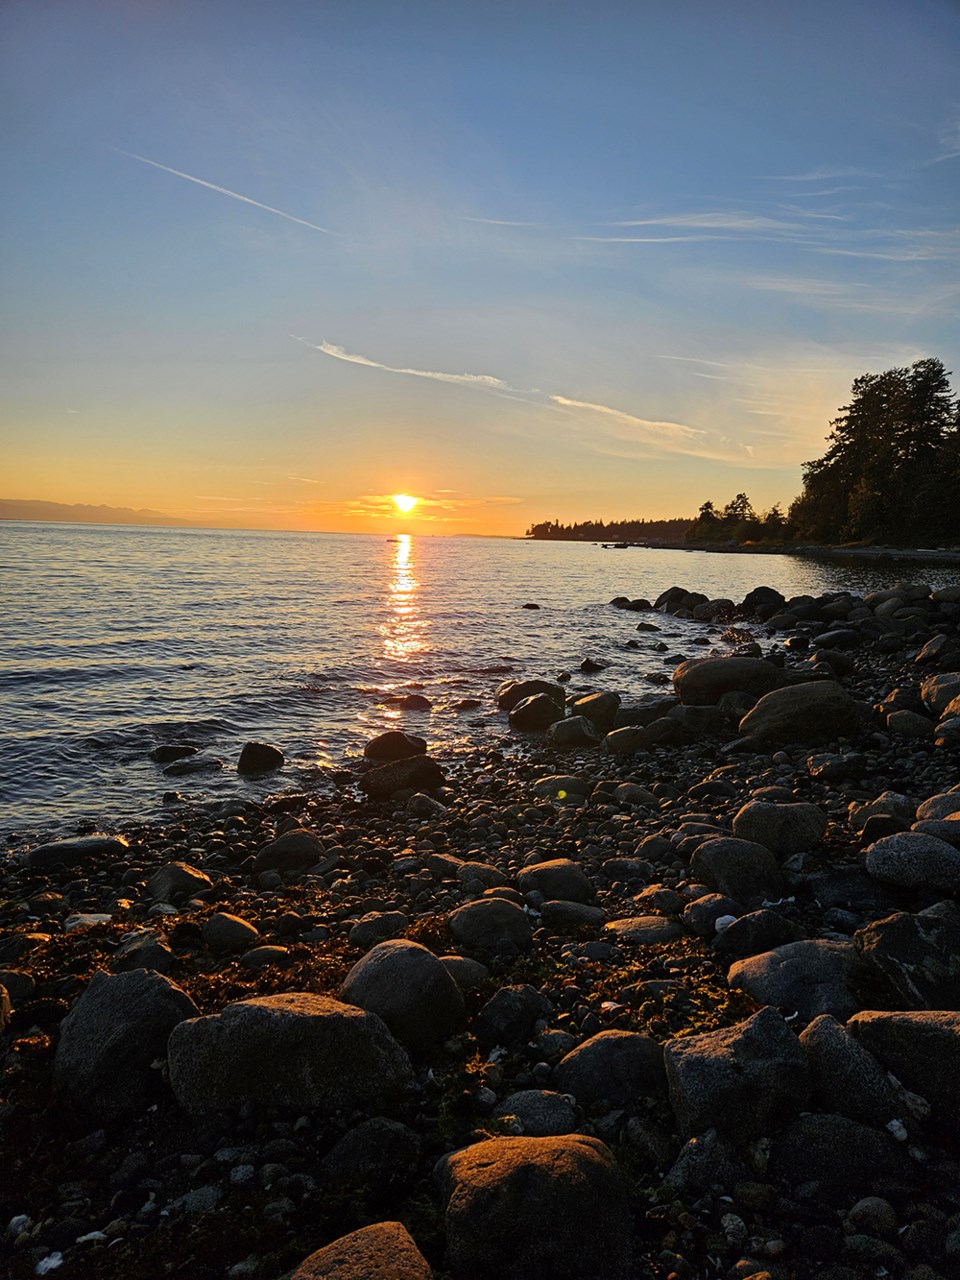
467 974
259 757
643 931
558 878
541 1113
841 1156
739 869
939 807
612 1068
628 741
226 933
76 850
808 978
756 932
939 691
742 1080
561 786
599 708
511 692
559 913
919 955
574 733
143 949
527 1208
394 745
287 1051
814 713
907 724
511 1015
111 1037
293 851
701 682
784 829
910 860
846 1078
377 926
922 1049
418 773
536 714
407 986
177 880
384 1251
374 1157
490 925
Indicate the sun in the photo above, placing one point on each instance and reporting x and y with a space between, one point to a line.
403 502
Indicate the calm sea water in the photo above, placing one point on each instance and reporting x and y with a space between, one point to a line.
116 639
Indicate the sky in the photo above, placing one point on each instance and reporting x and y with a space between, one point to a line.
266 264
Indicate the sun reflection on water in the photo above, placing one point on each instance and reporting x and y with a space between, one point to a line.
403 630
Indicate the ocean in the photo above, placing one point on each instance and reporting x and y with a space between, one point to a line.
117 639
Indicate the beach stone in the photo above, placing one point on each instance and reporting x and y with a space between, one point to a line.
599 708
467 974
874 1216
922 1049
418 773
374 1156
527 1208
490 924
6 1008
265 957
889 804
614 1068
809 1151
940 690
510 1015
293 851
560 913
77 849
907 724
702 914
784 829
144 950
643 931
704 1162
739 869
560 786
227 933
287 1051
377 926
177 880
628 741
939 807
541 1112
536 713
810 977
806 713
558 878
701 682
701 722
919 955
259 757
512 692
384 1251
477 876
111 1037
407 986
846 1078
19 986
394 745
574 733
910 860
947 829
742 1080
756 932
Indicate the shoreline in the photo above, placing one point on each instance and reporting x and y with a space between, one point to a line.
621 939
879 555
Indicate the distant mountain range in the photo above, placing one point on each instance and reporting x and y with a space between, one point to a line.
82 513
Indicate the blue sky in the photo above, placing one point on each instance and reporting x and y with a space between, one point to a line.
268 263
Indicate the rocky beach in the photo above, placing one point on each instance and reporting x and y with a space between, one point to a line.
664 984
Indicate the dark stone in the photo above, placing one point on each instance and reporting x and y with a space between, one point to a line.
395 745
618 1068
839 1154
756 932
807 978
512 692
408 987
536 713
740 869
78 849
374 1157
922 1049
846 1078
259 757
511 1015
419 773
294 850
919 955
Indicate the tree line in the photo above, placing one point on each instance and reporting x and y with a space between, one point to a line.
890 476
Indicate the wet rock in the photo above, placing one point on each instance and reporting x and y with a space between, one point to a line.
384 1251
491 924
111 1037
287 1051
418 773
846 1078
407 986
784 829
293 851
526 1208
259 757
701 682
910 860
177 880
808 1150
558 878
394 745
919 955
574 733
512 692
374 1156
808 978
599 708
821 711
536 713
616 1068
742 1080
77 850
739 869
922 1049
227 933
511 1015
540 1112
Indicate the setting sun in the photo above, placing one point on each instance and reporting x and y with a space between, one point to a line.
403 502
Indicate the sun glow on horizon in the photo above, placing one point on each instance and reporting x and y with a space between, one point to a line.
404 502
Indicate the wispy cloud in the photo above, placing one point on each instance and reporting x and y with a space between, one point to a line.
826 174
712 221
501 222
225 191
674 429
303 479
480 381
644 239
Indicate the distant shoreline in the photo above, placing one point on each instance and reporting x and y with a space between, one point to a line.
935 555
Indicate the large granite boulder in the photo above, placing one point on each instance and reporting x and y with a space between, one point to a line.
702 682
407 986
536 713
576 733
922 1049
740 869
819 712
528 1208
112 1036
846 1078
617 1068
919 955
295 1050
742 1080
384 1251
784 829
808 978
910 860
491 924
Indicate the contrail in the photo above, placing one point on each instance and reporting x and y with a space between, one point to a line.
225 191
